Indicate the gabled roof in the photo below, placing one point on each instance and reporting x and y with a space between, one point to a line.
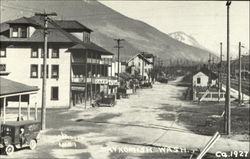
12 87
147 55
140 56
207 72
23 20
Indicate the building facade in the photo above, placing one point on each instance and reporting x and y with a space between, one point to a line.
73 61
139 65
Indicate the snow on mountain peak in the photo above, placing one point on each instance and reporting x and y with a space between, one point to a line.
185 38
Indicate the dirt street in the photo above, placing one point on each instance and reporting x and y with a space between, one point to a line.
132 129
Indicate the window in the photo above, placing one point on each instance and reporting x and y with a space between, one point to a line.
34 71
34 52
54 93
3 52
2 67
47 71
86 37
14 32
54 71
55 53
23 32
198 80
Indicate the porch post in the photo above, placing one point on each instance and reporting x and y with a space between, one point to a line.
20 109
28 108
4 109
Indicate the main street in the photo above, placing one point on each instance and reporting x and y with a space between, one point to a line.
131 129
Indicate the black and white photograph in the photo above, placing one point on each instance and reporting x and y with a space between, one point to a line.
124 79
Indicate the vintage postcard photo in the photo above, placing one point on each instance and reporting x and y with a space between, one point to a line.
124 79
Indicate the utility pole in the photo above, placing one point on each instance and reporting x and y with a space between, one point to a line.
239 79
43 112
228 88
118 54
86 80
219 70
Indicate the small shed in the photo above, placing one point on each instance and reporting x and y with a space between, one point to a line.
204 78
12 91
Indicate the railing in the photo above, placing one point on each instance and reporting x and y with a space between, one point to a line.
90 60
211 96
96 80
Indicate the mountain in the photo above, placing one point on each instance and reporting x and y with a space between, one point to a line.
186 39
107 25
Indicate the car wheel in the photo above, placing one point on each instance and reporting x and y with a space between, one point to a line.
32 144
9 149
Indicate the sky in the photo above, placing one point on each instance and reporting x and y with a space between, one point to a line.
204 20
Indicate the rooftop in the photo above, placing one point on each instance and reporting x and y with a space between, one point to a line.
21 123
72 25
207 72
57 33
12 87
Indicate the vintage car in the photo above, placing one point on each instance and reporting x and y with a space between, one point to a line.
163 80
19 134
147 85
105 100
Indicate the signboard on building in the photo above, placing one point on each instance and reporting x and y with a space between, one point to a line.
76 88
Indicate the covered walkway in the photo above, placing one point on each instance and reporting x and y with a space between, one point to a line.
11 91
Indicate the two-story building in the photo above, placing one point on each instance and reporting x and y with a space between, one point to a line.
74 63
139 65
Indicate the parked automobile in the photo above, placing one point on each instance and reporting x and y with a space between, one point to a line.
147 85
105 100
19 134
163 80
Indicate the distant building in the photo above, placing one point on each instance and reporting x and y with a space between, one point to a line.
204 78
72 59
205 86
142 66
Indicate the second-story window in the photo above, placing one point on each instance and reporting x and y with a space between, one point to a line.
34 52
54 71
34 71
3 52
55 53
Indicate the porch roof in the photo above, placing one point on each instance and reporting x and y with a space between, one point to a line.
9 87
